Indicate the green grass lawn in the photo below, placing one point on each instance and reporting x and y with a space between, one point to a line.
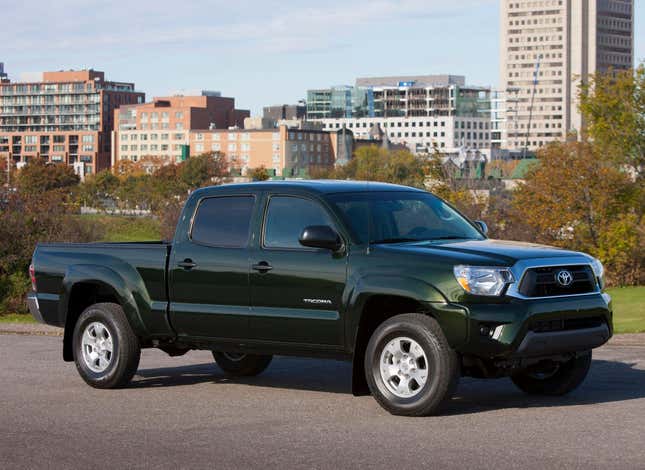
127 229
629 309
17 318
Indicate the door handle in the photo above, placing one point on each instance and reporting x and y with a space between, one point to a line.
262 267
187 264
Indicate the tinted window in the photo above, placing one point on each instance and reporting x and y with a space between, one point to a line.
402 216
287 217
223 221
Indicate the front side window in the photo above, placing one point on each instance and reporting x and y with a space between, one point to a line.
287 216
223 221
383 217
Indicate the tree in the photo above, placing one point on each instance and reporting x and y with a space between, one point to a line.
26 220
442 181
167 183
101 186
258 174
613 106
372 163
136 192
204 169
128 168
38 176
577 200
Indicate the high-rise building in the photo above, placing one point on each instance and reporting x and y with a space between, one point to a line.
547 48
65 118
423 112
3 75
160 128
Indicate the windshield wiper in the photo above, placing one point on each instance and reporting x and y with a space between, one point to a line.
396 240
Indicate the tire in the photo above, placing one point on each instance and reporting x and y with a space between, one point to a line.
241 365
400 350
108 355
566 377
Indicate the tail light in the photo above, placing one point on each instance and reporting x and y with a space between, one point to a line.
32 276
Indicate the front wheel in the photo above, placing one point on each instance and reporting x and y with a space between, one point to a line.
554 378
410 368
242 365
106 350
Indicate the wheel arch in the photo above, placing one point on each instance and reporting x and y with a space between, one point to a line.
87 285
376 298
375 310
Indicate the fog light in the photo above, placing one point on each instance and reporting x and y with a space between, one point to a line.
491 330
497 332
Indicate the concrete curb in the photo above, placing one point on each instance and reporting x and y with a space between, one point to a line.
629 339
38 329
35 329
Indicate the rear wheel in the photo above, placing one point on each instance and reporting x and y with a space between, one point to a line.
410 368
106 350
240 364
554 378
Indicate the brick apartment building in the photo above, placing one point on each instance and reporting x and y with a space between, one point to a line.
285 152
66 118
161 128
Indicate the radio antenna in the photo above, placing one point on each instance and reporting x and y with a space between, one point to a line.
369 218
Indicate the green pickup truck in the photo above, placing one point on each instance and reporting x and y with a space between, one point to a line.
389 277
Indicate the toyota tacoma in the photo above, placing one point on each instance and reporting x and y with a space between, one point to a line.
389 277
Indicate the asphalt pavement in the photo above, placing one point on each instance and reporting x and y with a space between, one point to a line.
184 413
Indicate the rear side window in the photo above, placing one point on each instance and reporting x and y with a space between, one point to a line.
223 221
287 217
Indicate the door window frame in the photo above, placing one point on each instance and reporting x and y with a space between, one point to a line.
265 213
247 242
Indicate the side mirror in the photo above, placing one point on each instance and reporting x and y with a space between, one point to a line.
321 236
483 228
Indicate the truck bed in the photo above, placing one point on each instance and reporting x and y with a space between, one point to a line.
141 266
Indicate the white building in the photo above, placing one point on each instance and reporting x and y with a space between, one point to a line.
448 134
547 46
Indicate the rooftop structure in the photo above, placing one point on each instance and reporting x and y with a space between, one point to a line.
412 80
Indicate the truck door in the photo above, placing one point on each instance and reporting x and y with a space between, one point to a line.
209 270
295 291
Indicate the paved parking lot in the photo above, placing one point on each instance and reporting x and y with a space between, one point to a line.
182 412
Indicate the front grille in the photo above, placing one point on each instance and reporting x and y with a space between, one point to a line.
563 324
542 282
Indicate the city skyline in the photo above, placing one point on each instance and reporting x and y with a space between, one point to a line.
263 53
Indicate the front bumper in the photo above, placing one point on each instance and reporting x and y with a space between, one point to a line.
558 342
541 327
34 307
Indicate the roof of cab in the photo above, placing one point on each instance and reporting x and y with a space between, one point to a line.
317 186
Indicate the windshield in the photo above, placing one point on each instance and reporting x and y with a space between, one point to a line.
401 216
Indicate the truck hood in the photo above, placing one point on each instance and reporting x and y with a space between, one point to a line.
479 251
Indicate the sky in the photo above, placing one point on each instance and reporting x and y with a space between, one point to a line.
261 52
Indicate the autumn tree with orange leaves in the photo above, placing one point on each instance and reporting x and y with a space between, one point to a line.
579 200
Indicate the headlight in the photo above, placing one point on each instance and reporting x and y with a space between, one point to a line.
599 272
483 280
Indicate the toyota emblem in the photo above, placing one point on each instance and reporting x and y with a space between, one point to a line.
564 278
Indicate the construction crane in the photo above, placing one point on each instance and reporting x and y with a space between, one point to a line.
536 74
